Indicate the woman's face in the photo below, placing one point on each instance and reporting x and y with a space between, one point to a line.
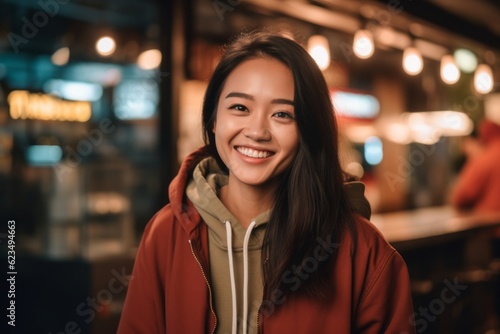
256 133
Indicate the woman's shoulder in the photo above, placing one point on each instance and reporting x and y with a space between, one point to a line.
368 242
170 223
159 227
369 231
374 262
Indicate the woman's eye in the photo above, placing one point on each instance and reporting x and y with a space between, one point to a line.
238 107
283 114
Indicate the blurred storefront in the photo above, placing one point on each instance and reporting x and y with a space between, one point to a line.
100 101
80 137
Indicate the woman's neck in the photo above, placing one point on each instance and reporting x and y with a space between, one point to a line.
246 202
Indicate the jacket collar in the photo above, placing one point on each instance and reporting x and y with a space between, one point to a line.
182 207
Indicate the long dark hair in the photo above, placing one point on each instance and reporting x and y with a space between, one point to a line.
311 207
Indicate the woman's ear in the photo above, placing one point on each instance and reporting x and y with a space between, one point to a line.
213 127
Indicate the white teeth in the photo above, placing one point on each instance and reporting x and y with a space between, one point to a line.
253 153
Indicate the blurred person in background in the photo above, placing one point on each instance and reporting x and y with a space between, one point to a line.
478 185
260 234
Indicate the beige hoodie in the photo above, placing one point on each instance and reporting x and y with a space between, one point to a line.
203 191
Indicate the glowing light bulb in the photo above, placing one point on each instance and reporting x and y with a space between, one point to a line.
60 57
412 61
149 59
363 46
466 60
319 49
449 70
483 79
106 46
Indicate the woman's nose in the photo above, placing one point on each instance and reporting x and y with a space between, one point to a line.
257 128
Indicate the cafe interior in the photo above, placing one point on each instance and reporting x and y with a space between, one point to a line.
100 101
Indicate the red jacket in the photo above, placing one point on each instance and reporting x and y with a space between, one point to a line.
170 290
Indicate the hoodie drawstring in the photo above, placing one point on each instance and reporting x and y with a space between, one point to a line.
231 273
245 275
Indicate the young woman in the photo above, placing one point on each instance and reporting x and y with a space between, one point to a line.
259 235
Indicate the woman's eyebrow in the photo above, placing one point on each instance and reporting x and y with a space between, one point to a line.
242 95
282 101
251 98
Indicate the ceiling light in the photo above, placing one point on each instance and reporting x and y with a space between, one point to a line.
106 46
60 57
412 61
449 70
319 49
149 59
363 46
466 60
483 79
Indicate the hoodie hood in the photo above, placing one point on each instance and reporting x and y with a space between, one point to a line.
203 191
181 206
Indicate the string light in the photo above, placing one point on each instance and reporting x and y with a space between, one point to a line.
483 79
449 70
466 60
363 46
106 46
412 61
319 49
149 59
60 57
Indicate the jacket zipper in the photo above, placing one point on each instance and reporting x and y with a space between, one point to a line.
258 312
208 285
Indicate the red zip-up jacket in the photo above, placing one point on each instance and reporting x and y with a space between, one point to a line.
170 292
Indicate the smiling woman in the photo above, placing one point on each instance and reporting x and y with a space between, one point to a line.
261 233
255 130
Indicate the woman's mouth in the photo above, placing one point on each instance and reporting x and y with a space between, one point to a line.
249 152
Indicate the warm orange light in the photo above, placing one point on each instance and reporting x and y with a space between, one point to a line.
450 73
149 59
106 46
412 61
363 46
60 57
319 49
25 105
483 79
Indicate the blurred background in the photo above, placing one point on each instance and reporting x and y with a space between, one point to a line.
101 100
